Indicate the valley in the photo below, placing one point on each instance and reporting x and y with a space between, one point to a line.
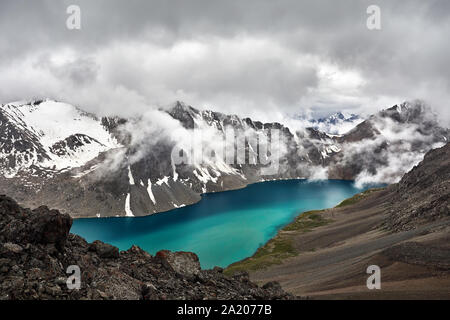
223 227
324 254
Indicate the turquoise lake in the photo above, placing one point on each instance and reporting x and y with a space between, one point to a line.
223 227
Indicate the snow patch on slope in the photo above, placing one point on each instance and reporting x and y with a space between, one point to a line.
130 176
53 124
150 193
128 211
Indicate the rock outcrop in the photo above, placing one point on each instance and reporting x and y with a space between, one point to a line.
36 250
423 194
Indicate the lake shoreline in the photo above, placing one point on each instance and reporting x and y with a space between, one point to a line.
225 226
328 258
212 192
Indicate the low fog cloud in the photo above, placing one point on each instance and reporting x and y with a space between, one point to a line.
394 151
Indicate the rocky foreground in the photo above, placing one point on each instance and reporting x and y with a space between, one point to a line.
36 249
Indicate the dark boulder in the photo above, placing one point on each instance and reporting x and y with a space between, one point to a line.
185 263
104 250
49 226
42 225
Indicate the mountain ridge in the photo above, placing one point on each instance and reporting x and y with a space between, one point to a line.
124 166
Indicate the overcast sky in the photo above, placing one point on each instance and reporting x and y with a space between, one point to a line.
253 57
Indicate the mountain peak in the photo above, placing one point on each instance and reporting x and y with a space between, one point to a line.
32 131
34 102
183 113
337 117
415 111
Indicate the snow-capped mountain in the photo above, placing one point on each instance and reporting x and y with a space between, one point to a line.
387 143
337 123
334 124
337 118
54 153
49 135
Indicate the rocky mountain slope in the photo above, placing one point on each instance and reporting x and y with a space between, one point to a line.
403 229
36 250
49 135
54 153
423 194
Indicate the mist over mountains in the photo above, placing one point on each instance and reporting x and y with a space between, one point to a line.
336 124
55 153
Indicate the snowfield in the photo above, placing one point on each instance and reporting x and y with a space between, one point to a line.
51 122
